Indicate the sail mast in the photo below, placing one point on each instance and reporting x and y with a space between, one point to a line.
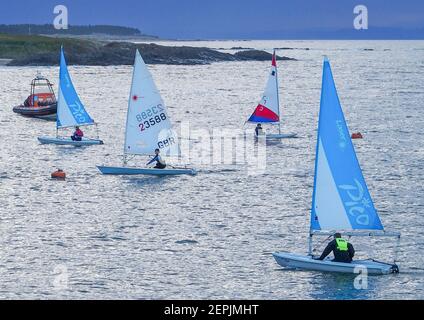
274 63
124 161
58 102
316 165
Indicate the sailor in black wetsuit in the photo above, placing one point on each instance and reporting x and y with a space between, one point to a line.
160 163
258 130
343 251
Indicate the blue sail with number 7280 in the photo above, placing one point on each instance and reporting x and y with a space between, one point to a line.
70 110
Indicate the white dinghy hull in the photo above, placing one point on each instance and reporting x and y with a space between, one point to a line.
299 262
270 136
145 171
69 141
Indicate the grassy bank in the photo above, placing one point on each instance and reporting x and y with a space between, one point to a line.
21 46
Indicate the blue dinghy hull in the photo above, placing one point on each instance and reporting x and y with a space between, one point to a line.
69 141
146 171
294 261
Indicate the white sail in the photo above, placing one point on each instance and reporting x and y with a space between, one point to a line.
148 125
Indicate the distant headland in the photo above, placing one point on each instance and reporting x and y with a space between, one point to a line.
42 50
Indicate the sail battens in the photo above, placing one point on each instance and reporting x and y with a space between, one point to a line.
341 200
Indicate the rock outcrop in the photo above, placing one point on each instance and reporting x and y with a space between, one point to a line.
122 53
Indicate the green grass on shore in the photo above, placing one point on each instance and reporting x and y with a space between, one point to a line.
19 46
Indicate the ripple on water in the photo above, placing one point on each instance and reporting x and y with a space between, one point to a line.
186 241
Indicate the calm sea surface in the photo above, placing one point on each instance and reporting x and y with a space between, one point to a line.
211 235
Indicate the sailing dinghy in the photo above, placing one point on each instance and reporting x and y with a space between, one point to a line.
341 201
148 127
70 111
268 109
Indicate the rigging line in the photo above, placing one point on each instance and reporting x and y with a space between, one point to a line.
320 243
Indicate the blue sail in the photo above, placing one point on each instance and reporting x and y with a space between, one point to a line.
341 200
70 110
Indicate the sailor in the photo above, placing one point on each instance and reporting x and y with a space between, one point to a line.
78 134
27 102
258 130
160 163
343 251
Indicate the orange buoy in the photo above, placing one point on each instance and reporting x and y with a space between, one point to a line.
59 174
357 135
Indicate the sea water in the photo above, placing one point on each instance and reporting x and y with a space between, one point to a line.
211 235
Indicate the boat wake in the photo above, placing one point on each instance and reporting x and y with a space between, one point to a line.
217 170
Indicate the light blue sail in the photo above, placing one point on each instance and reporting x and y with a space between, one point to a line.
70 110
341 200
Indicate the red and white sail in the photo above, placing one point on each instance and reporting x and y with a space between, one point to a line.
268 109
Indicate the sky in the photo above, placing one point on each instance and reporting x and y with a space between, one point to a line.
227 19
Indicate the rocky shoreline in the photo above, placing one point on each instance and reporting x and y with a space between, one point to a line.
96 53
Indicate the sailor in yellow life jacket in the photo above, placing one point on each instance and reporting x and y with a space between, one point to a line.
343 251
